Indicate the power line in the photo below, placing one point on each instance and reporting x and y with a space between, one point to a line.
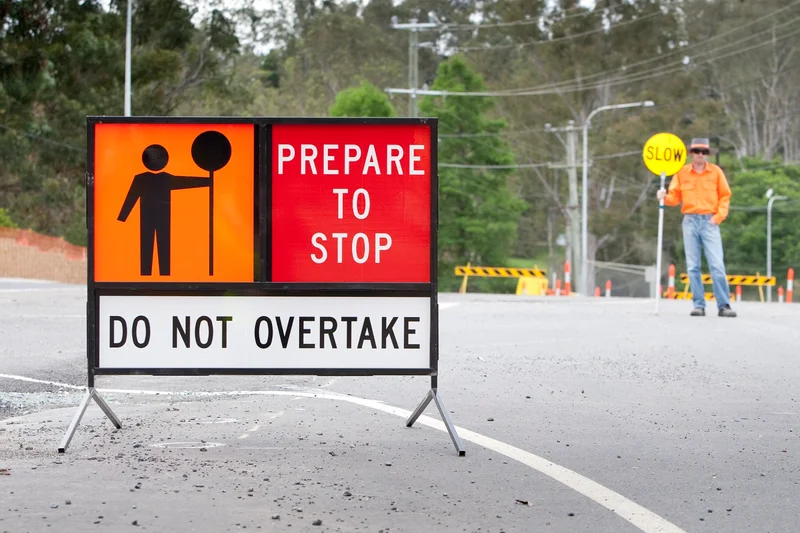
40 138
496 167
677 50
523 166
757 208
556 39
528 21
679 64
577 85
604 84
661 103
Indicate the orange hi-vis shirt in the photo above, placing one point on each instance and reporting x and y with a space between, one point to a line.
704 193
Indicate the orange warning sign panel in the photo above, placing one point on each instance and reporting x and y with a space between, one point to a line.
174 202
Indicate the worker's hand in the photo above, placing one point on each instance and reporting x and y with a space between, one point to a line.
661 194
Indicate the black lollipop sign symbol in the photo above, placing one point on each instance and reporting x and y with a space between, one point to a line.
211 151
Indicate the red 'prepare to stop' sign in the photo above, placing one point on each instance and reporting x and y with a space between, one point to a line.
351 203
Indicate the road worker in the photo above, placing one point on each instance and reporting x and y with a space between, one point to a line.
703 191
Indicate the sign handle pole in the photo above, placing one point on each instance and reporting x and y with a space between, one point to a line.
660 241
211 223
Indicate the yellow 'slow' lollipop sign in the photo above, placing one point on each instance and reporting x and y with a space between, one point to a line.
664 153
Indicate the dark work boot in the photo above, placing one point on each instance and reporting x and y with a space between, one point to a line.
697 311
727 311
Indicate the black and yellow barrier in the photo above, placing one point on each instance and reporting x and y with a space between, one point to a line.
688 296
498 272
734 280
756 281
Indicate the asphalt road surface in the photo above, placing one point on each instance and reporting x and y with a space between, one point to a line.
578 415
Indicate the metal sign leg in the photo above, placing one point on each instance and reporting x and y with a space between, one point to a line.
106 409
420 408
91 394
433 394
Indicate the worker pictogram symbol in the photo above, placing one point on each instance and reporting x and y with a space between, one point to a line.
162 194
211 151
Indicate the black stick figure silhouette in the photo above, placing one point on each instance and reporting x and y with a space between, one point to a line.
154 190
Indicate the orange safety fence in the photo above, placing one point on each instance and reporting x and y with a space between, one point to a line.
30 255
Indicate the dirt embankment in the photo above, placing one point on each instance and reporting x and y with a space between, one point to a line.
27 254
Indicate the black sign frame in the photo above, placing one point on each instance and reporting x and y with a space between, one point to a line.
262 284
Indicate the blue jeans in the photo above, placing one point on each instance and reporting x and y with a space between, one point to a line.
699 232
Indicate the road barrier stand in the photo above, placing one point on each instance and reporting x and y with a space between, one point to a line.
608 288
671 283
567 277
497 272
735 280
597 292
738 293
558 287
745 280
463 288
530 286
235 291
789 285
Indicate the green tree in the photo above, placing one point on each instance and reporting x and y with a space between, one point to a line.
478 214
365 100
61 61
744 233
5 219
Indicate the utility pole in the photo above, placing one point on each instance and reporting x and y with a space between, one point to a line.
413 58
573 216
572 207
413 68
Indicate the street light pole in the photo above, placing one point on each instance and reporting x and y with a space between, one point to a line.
772 199
584 282
128 61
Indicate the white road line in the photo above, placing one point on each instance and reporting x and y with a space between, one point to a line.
44 289
47 316
45 382
644 519
446 305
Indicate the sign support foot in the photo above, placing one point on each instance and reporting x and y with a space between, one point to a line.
91 394
434 395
